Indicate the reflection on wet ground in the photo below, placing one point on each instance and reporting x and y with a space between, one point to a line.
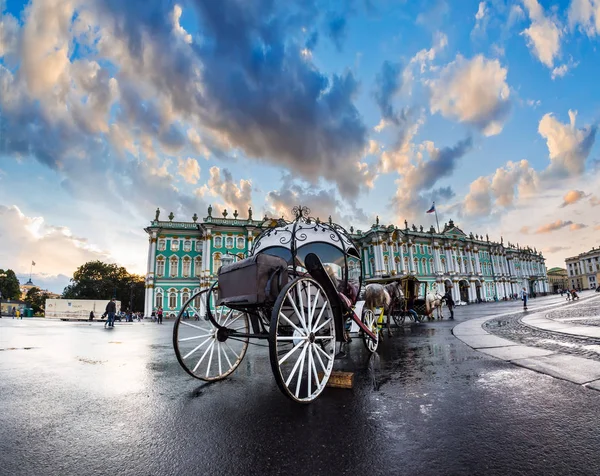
77 403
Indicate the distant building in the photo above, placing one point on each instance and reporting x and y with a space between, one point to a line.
584 270
558 279
184 257
29 284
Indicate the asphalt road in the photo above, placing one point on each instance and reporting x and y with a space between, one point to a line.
78 399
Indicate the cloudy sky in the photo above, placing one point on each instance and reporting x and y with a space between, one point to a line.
109 109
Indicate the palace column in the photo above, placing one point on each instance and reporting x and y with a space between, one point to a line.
477 262
149 289
411 261
401 255
436 257
449 263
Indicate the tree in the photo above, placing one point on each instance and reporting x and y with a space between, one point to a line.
98 280
36 299
9 285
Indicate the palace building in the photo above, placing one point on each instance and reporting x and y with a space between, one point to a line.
584 270
184 257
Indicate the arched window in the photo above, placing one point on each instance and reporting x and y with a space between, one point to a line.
384 247
197 266
173 267
158 299
395 247
372 267
240 242
404 250
431 267
216 262
185 296
386 264
174 245
424 268
187 265
160 267
172 300
162 245
198 246
229 242
406 264
397 264
187 245
443 263
218 242
197 302
416 265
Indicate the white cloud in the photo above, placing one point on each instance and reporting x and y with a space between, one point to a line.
197 143
568 146
54 249
480 11
586 15
473 91
177 27
543 35
236 197
189 170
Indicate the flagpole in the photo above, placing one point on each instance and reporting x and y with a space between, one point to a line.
436 218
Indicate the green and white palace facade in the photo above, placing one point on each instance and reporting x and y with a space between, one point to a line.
184 257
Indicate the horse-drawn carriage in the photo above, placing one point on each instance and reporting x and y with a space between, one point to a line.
296 290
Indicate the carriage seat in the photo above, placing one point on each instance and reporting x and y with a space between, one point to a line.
252 281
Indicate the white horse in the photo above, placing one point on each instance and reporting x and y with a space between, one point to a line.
433 302
380 296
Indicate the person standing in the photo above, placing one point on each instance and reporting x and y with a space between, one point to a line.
524 298
111 309
450 303
91 315
159 314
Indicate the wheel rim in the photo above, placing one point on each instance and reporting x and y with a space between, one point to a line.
302 340
201 350
370 320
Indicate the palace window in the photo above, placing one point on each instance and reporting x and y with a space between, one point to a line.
424 266
372 267
406 264
197 303
174 245
187 245
172 300
218 242
443 263
386 264
384 247
197 266
240 242
199 246
158 300
160 267
416 265
162 245
430 265
185 296
216 262
173 267
404 250
229 242
187 265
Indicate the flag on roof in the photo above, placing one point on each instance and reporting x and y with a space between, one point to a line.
432 209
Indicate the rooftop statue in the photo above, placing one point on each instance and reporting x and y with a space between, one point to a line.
210 210
157 214
250 213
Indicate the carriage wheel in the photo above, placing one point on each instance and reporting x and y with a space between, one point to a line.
370 320
302 340
399 318
203 350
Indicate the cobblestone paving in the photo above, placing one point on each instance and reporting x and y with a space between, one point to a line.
511 328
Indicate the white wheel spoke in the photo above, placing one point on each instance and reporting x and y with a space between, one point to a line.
193 325
210 358
299 380
313 366
204 355
319 358
195 337
219 356
308 300
283 316
309 370
234 352
315 302
297 313
323 337
301 299
285 357
229 323
226 356
291 338
329 357
322 325
321 314
291 376
196 348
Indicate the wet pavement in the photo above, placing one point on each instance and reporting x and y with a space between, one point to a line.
78 399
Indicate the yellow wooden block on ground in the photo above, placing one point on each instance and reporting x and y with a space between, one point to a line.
340 379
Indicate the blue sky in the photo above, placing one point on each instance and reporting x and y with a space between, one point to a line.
111 109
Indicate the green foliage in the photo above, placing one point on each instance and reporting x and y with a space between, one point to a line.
9 285
98 280
36 299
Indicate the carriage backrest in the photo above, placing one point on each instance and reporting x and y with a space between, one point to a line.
253 281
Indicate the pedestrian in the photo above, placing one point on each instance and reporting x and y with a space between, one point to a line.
524 298
159 314
449 302
91 315
111 309
14 312
574 295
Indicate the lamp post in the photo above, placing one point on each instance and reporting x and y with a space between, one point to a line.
2 276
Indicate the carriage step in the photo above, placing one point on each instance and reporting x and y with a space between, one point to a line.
339 379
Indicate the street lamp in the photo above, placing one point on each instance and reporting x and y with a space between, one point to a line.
2 276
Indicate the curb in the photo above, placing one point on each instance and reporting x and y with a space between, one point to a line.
578 370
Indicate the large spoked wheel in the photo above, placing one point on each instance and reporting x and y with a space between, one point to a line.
398 316
204 350
302 340
370 321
